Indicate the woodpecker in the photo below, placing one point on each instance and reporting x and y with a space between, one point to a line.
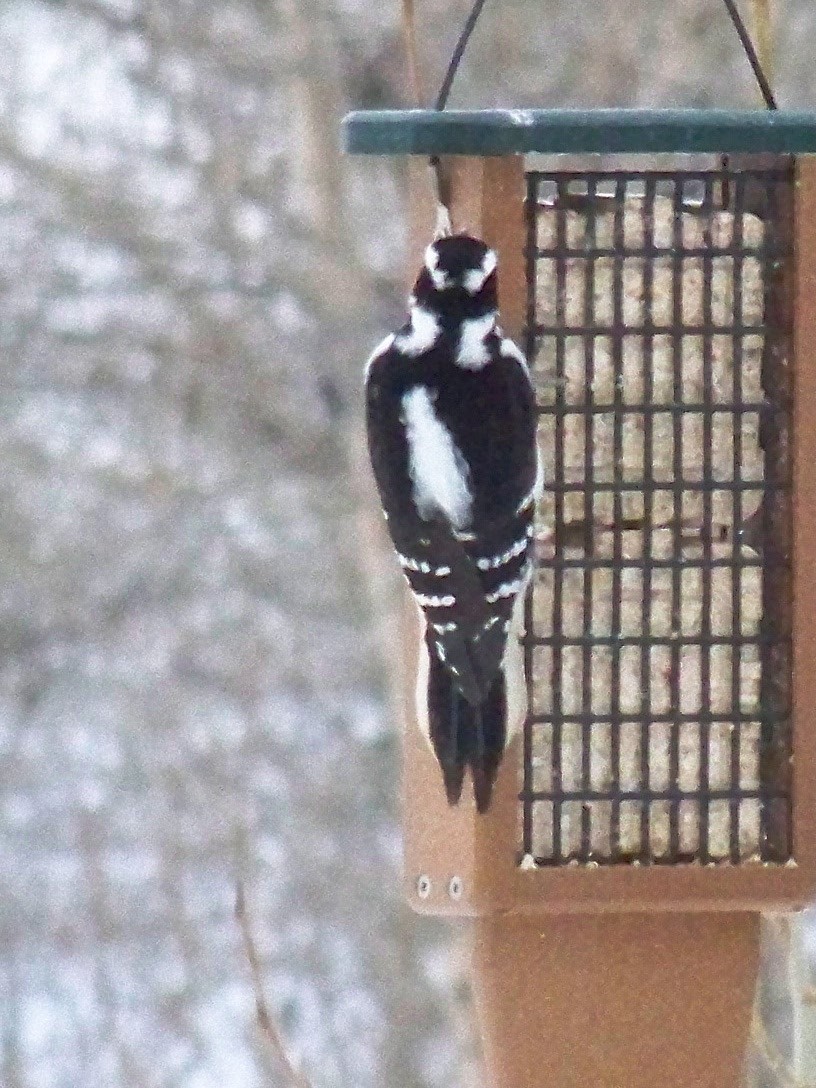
450 413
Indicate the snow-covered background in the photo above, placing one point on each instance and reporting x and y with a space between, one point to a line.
191 679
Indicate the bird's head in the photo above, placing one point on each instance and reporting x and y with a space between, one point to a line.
458 277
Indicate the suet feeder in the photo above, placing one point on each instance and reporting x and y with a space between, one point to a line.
659 269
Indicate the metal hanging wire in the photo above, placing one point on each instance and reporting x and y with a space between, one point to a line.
751 53
439 179
458 53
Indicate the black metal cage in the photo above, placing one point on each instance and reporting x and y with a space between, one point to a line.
659 622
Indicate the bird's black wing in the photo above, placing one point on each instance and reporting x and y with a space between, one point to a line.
442 576
497 437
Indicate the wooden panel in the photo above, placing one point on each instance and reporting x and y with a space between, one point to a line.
635 1000
488 201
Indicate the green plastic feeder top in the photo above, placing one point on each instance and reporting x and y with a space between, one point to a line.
508 132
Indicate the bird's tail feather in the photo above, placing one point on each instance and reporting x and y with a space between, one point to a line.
466 735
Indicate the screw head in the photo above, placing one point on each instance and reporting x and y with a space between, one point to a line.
456 887
423 886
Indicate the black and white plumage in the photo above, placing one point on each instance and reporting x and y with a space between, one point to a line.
451 435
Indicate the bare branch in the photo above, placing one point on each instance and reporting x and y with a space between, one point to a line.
270 1031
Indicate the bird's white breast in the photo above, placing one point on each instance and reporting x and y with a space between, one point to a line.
435 464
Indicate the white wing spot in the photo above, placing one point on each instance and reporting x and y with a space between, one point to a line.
505 557
421 566
425 600
412 564
436 466
506 589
